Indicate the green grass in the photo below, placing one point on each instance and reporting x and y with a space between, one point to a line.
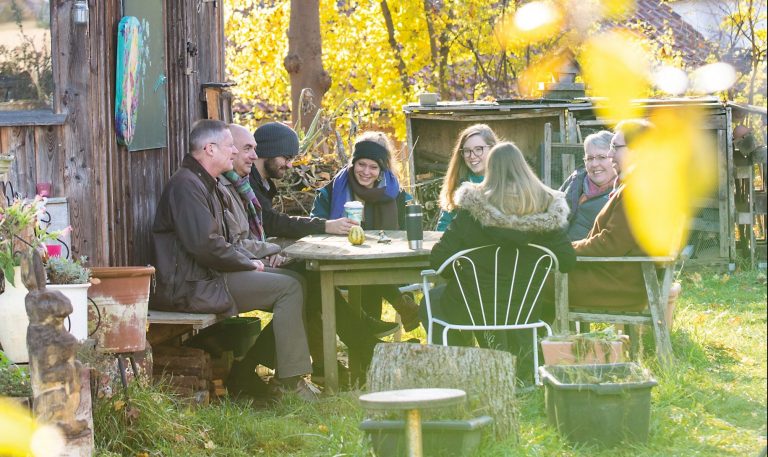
712 402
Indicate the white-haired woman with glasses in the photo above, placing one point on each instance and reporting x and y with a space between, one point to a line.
467 164
588 188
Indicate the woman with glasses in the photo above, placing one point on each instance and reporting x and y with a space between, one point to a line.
588 188
369 179
511 208
467 164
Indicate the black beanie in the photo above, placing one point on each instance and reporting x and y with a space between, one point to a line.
371 150
275 139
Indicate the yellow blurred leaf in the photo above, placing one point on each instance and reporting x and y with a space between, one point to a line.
668 169
209 445
616 66
617 8
322 428
119 404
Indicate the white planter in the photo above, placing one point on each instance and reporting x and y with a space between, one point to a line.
14 320
78 296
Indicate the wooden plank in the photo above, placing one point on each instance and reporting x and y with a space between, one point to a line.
31 118
47 148
656 259
568 165
197 321
409 145
332 247
461 117
561 303
725 196
547 160
21 143
609 317
657 301
328 299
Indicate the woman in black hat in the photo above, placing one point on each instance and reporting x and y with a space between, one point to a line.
369 179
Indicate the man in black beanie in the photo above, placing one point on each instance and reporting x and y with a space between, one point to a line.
277 145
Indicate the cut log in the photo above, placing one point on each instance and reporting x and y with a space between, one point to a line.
487 375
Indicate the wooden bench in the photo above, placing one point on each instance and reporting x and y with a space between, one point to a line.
165 325
657 293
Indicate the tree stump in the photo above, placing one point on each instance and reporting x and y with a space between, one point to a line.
487 375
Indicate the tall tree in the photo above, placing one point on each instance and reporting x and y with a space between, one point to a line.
304 61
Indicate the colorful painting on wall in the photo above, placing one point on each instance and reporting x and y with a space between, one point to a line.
129 45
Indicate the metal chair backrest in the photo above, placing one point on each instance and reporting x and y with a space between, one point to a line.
500 286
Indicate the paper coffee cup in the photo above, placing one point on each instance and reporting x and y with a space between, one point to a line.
354 210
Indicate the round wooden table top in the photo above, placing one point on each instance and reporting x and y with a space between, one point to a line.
413 398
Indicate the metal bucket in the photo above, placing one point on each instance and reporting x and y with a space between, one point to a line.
120 298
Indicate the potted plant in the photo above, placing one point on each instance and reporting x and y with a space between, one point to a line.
72 278
19 231
14 382
601 404
603 346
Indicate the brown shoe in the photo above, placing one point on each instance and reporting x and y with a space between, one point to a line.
408 311
304 389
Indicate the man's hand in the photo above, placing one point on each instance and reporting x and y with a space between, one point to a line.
258 264
275 260
339 226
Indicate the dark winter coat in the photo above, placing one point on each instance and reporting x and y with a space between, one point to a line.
583 215
608 285
193 243
478 223
277 223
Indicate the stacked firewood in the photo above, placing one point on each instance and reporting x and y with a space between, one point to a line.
186 371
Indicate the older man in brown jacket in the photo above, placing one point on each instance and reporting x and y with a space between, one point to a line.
618 285
200 270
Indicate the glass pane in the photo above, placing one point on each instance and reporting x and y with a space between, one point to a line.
26 80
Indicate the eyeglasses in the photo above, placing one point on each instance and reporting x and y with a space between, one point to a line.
477 151
617 146
597 158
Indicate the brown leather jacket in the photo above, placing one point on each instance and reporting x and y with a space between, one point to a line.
193 243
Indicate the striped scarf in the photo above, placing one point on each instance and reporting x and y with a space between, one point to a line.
253 206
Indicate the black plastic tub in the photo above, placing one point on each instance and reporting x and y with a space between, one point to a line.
236 334
444 438
599 404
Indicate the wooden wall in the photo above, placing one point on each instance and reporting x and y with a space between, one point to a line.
112 193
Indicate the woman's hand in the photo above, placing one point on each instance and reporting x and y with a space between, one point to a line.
258 264
339 226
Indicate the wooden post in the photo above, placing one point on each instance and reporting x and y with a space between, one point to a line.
547 161
657 302
561 303
413 421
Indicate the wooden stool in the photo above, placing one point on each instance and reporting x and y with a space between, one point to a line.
411 400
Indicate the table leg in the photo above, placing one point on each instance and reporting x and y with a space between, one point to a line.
355 295
413 432
329 331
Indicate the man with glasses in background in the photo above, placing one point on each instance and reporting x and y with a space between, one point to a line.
588 188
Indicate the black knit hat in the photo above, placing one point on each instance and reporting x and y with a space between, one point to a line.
275 139
371 150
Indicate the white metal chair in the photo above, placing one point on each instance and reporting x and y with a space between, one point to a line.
493 308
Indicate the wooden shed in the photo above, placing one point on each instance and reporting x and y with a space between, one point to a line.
111 192
550 134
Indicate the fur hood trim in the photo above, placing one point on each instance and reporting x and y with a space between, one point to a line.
469 197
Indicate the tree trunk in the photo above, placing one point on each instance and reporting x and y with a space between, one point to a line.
488 377
304 60
394 45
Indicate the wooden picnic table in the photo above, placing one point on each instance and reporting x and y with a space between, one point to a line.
342 264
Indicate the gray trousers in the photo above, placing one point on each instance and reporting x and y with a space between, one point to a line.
282 295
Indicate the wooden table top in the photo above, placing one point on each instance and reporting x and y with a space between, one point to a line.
335 247
413 398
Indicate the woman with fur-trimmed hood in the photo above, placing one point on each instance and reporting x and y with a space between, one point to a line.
511 207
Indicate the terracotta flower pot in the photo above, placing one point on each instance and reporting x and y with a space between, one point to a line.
564 353
121 298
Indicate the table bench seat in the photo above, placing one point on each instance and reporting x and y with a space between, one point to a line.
164 325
